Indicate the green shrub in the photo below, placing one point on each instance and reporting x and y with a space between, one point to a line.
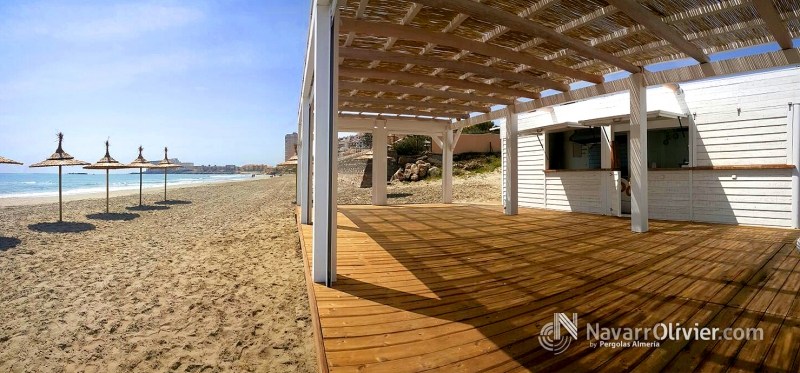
411 145
478 128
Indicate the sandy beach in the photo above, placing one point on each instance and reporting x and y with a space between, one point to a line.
211 282
477 189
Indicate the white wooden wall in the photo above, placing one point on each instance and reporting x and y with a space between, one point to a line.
574 191
755 197
669 194
531 178
740 121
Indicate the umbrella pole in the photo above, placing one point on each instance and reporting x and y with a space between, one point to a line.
60 215
140 187
106 191
165 185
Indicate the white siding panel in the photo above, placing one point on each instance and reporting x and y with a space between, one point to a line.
757 197
531 177
668 195
575 191
742 120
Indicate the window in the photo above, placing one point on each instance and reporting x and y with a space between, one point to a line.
574 149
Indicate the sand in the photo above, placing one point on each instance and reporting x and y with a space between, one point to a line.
475 189
213 282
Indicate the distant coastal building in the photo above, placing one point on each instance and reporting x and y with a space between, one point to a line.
289 146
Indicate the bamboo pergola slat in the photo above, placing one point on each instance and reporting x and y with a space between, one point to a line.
546 43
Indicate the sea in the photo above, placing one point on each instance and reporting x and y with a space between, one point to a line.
46 185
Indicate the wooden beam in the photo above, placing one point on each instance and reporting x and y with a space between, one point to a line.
449 40
528 12
369 54
410 14
775 25
512 21
403 103
362 5
427 79
700 35
432 114
383 116
394 125
688 15
423 92
653 23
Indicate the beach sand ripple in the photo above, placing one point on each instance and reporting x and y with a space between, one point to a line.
211 283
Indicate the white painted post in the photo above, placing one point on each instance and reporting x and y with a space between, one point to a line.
638 153
334 178
511 174
379 165
298 177
447 167
794 124
504 163
304 157
607 176
325 138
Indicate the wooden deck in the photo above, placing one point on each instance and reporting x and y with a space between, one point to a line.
465 288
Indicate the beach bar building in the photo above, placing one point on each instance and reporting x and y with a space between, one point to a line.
630 129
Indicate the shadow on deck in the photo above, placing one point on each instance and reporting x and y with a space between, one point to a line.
467 288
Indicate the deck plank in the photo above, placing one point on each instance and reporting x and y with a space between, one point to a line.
447 288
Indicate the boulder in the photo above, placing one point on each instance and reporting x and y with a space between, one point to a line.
398 175
414 177
423 170
434 172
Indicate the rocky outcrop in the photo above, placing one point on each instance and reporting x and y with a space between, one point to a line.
412 171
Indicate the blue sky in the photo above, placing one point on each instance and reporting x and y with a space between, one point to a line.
216 81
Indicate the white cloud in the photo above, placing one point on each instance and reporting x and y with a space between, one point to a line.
96 23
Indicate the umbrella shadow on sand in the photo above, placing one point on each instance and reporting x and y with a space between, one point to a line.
113 216
173 202
62 227
147 208
8 243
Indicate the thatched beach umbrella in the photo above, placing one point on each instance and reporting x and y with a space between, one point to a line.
5 160
140 163
106 163
60 159
166 164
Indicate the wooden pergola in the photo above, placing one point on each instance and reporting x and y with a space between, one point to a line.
435 66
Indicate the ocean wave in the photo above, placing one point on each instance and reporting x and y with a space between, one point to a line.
115 186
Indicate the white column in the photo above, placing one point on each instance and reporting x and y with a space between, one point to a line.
447 167
304 159
510 174
794 125
605 163
325 139
638 154
379 165
298 177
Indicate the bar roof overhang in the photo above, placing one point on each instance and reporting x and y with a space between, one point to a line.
451 58
652 115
